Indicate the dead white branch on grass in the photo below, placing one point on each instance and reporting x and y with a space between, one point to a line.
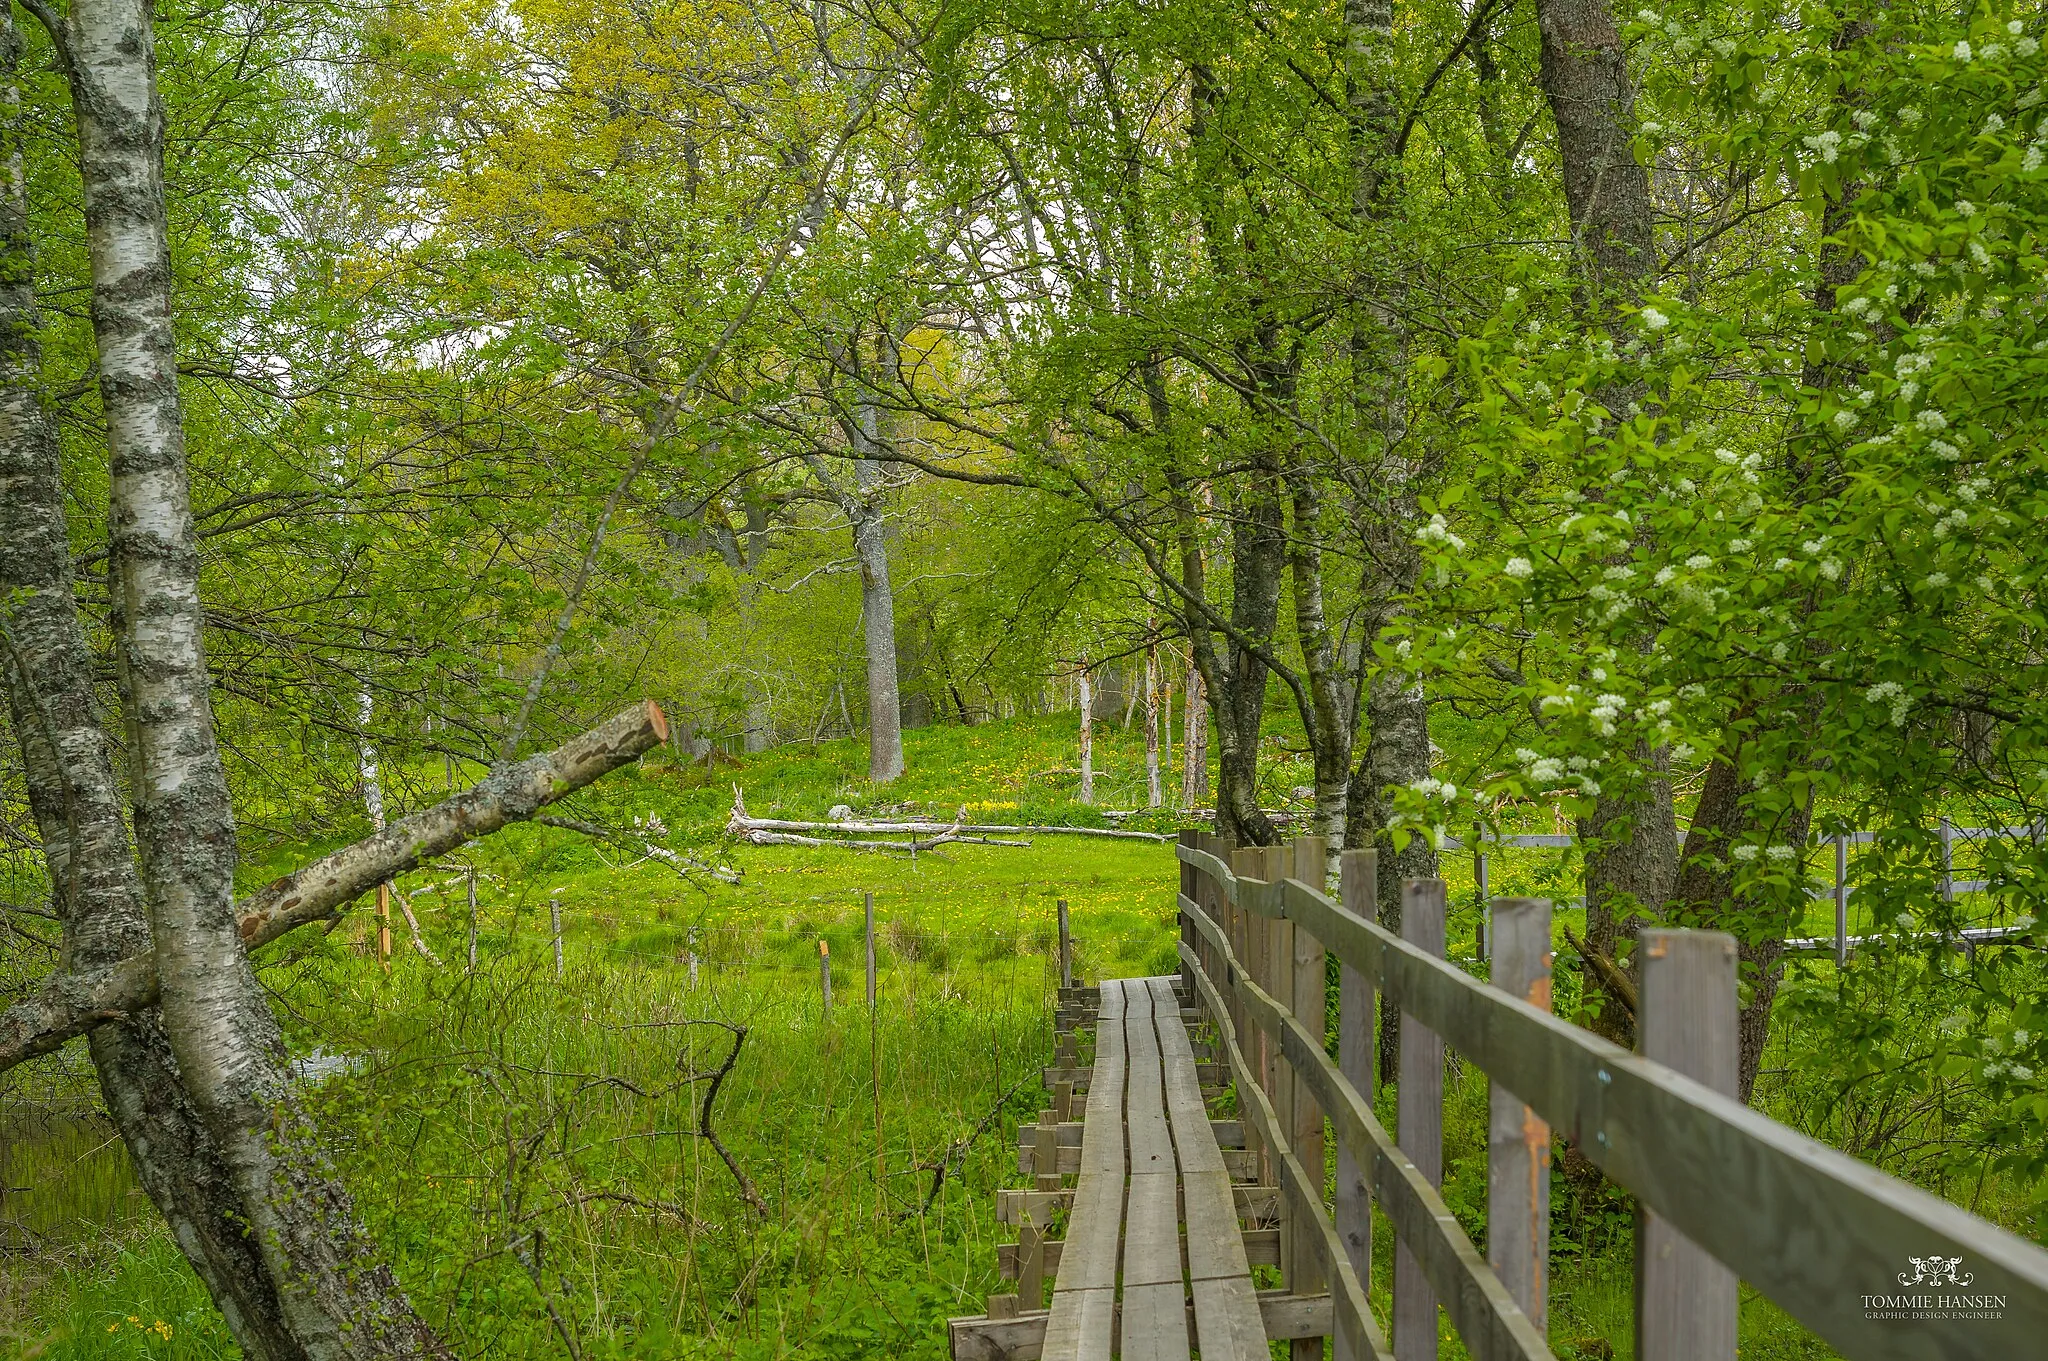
770 832
744 826
419 942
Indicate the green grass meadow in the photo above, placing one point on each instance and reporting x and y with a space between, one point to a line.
531 1149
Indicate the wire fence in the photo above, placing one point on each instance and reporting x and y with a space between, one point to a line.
1961 851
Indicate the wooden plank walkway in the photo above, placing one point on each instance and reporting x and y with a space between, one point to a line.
1153 1265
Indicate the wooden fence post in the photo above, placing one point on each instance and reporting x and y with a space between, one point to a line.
825 978
868 905
384 928
1066 949
1309 1001
555 924
1210 895
1518 1144
1479 868
1421 1122
472 918
1276 976
1686 1302
1358 879
1189 886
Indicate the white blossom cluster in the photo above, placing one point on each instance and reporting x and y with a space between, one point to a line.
1439 532
1894 694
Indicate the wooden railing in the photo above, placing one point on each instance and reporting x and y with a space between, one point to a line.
1722 1190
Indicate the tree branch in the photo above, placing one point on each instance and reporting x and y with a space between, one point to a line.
69 1004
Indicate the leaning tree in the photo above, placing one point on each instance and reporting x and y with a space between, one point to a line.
155 972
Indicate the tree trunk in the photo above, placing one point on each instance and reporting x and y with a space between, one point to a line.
1154 795
864 507
1238 694
332 1301
760 732
1631 849
1706 896
1330 722
1194 768
1396 753
1631 836
1396 709
1592 100
1087 736
76 801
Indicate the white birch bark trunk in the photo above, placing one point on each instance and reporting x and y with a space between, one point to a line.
334 1302
1087 694
1154 796
878 620
373 804
865 508
1194 721
46 675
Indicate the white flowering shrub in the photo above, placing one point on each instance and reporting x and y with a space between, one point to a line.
1795 529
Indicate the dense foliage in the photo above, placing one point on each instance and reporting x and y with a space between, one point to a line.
1470 451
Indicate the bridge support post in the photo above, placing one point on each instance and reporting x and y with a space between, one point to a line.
1066 948
1518 1143
1686 1301
1420 1123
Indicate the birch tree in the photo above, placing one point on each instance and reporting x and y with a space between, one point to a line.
157 971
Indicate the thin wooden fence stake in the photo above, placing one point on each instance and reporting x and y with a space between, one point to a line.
555 925
384 926
472 918
1420 1123
1687 1308
1357 876
1485 898
869 903
875 1066
825 979
1308 999
1518 1143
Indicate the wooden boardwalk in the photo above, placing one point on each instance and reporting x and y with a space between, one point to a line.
1155 1262
1167 1212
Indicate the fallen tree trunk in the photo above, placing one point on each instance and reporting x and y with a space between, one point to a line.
946 837
742 823
71 1003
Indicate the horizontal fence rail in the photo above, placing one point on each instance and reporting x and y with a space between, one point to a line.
1832 1241
1947 886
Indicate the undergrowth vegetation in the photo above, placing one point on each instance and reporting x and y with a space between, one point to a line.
668 1150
